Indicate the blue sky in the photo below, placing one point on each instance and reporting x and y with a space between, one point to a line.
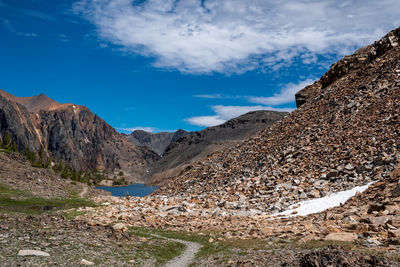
168 64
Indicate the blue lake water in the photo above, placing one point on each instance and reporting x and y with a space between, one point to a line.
135 190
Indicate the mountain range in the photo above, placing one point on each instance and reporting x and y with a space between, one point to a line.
158 142
75 136
196 146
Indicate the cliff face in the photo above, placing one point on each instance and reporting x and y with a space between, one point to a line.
15 119
198 145
360 59
158 142
72 134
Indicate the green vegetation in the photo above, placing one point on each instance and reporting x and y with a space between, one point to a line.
120 181
88 177
161 250
17 201
72 214
7 144
40 160
208 248
226 248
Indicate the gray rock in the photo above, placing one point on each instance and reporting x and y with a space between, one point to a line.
30 252
86 262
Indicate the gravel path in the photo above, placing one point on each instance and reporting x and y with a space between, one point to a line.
84 191
186 258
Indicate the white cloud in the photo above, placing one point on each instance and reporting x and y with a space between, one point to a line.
9 26
132 129
205 121
286 94
202 36
210 96
224 113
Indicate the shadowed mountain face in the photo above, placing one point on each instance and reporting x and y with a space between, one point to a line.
195 146
72 134
158 142
15 119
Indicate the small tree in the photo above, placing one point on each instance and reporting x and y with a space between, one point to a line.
14 147
41 153
6 143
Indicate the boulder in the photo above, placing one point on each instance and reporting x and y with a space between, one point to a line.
341 236
120 227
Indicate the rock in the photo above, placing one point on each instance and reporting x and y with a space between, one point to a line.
396 192
361 169
86 262
382 220
341 236
349 167
374 241
394 233
332 174
120 227
340 258
29 252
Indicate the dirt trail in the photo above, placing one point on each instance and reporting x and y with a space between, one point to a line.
186 258
84 191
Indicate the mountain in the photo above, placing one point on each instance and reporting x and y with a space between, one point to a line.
195 146
158 142
345 133
71 133
15 119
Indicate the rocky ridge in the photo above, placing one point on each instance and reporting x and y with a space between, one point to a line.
198 145
348 64
158 142
72 134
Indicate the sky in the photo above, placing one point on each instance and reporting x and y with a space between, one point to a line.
163 65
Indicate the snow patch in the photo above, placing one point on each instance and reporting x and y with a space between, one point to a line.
305 208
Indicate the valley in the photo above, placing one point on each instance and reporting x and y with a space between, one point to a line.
234 193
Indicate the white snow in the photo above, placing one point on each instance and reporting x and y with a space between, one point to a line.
320 204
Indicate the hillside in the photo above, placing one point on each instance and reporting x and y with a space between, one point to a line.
195 146
72 134
346 135
158 142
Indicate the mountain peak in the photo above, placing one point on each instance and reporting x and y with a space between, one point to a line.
37 102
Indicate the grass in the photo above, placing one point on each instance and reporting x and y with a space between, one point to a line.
17 201
159 249
227 248
208 248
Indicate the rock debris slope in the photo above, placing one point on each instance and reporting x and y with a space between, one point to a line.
347 135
